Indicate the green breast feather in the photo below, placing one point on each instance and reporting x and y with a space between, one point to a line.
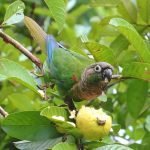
66 68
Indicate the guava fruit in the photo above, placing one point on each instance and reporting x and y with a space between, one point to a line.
93 124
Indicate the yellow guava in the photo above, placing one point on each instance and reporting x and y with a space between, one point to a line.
93 124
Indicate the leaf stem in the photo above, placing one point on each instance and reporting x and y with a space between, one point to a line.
21 48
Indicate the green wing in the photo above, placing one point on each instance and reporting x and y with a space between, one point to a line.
67 66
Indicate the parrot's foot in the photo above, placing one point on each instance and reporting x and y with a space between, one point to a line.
43 94
52 85
41 74
42 90
43 87
70 103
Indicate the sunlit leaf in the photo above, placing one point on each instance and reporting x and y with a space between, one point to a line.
128 56
100 52
108 3
49 112
14 13
144 10
11 70
57 9
137 70
64 146
128 10
59 116
134 38
119 44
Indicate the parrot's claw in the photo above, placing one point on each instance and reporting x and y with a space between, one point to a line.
42 91
43 87
41 74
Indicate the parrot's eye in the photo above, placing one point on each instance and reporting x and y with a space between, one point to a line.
97 68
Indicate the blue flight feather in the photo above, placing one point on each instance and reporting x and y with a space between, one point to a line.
51 44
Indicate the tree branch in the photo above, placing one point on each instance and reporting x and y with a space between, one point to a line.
3 112
21 48
119 79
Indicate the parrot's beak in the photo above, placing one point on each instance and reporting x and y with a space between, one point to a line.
107 75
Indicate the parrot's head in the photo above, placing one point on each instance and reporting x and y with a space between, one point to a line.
98 73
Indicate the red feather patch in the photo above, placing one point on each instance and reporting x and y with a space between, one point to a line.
74 78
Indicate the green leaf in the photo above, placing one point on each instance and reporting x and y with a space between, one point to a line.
144 11
116 128
114 147
137 70
67 127
119 44
59 116
21 102
29 125
37 145
147 125
134 38
128 10
57 9
12 70
127 56
14 13
136 96
108 3
93 144
64 146
51 111
100 52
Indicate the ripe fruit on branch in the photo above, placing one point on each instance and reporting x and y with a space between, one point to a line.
93 124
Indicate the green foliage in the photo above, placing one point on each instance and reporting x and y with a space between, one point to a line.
37 145
57 10
115 31
8 71
114 147
60 117
14 13
29 125
132 35
63 146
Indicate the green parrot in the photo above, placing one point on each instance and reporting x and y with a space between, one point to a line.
77 77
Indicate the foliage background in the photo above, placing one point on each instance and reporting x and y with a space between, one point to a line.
87 24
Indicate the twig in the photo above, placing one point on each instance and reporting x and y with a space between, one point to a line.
119 79
21 48
79 144
116 76
3 112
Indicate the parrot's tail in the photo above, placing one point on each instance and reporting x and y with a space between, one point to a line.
51 44
36 31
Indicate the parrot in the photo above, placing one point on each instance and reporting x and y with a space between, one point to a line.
76 76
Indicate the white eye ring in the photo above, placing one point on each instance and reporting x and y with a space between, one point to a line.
97 68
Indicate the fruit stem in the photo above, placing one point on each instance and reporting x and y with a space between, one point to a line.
79 144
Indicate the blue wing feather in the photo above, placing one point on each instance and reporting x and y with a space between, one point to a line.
51 44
